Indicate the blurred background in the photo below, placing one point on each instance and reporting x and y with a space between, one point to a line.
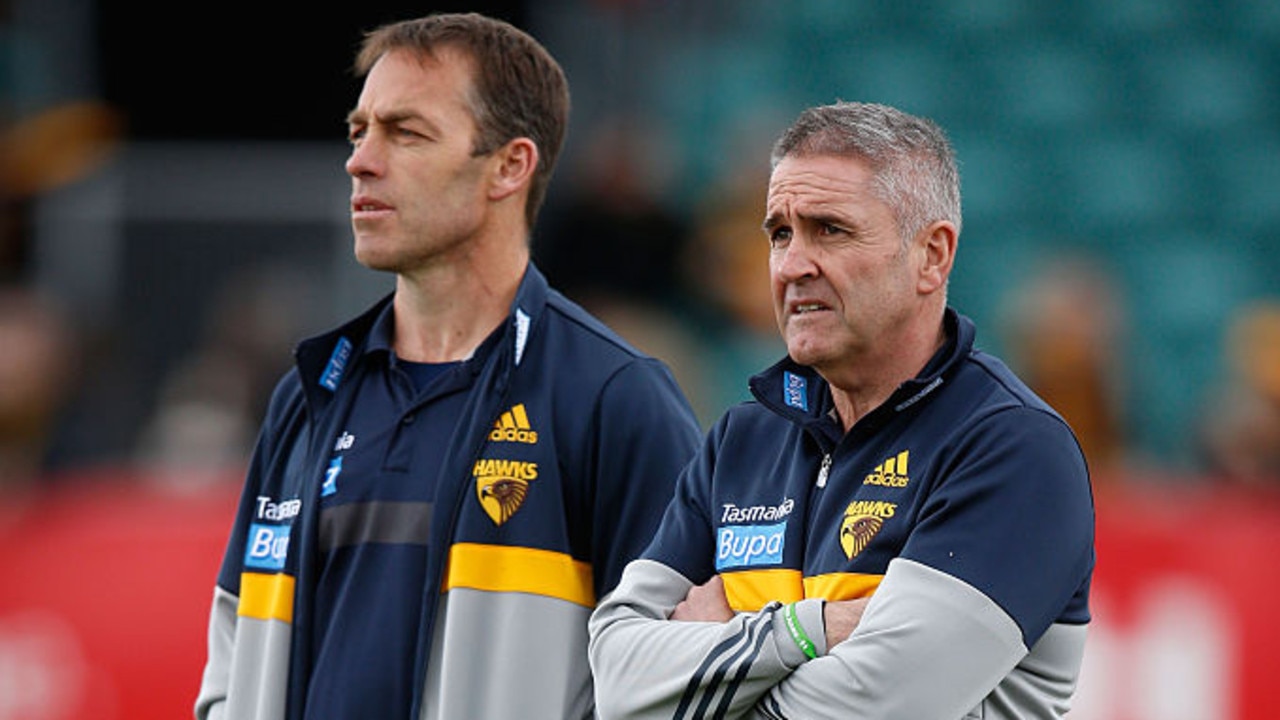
173 219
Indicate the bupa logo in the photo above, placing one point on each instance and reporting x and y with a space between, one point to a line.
750 545
333 372
267 547
795 391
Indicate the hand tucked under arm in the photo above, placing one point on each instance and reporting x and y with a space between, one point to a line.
705 603
930 646
841 617
708 603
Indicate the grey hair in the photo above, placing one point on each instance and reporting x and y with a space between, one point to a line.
911 157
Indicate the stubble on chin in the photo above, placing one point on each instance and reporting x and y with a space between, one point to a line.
368 254
802 348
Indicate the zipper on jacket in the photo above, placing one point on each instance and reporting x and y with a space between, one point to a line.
431 606
824 470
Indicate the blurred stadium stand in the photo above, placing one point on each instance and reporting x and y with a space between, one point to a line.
1142 133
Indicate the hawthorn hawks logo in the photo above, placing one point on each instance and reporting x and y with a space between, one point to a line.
502 485
862 521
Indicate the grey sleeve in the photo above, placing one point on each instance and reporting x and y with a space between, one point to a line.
211 701
928 646
246 674
647 666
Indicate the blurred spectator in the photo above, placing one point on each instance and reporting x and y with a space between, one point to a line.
1241 429
205 422
1063 330
41 150
203 428
613 236
725 271
49 138
35 367
613 246
727 262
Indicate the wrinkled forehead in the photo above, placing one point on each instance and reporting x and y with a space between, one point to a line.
818 178
832 190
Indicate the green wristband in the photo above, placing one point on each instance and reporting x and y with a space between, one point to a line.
797 632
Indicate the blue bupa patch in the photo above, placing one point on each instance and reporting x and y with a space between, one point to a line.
337 365
748 545
267 547
795 391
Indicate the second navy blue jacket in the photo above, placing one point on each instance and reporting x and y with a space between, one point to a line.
564 451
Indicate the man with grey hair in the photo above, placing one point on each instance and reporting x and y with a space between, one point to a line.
896 527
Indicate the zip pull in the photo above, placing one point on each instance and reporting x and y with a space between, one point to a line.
822 471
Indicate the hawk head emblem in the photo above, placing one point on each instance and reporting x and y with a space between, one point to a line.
856 531
501 497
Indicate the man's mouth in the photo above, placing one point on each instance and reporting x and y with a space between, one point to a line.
802 308
368 205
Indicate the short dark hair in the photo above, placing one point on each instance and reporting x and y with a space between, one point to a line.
518 89
914 163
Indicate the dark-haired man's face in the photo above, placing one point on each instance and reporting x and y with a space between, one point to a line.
417 193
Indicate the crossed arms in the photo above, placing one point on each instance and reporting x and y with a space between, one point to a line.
982 604
927 646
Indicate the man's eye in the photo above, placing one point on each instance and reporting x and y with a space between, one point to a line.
829 229
354 135
410 134
779 235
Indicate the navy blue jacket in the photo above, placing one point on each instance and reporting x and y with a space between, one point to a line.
961 506
583 476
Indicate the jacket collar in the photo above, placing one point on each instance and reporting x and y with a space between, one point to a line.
800 394
326 360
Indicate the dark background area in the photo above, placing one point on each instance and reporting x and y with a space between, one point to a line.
244 70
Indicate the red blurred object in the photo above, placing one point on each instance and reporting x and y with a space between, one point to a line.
105 597
1183 603
107 583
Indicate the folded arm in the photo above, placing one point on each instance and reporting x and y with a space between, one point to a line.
647 666
928 646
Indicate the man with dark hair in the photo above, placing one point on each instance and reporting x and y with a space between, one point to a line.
897 527
443 487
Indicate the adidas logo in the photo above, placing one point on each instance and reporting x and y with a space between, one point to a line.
513 426
890 473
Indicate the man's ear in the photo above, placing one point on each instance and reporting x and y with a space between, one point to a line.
516 163
938 243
